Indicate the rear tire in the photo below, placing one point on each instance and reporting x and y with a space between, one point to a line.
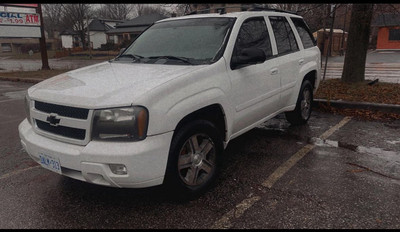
194 159
302 112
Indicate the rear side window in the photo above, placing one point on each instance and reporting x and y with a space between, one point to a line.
304 32
253 33
284 36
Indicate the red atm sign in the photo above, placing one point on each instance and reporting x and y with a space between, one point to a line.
24 5
10 18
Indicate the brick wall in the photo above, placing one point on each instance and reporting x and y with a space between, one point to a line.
383 39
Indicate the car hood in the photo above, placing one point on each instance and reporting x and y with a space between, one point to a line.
106 84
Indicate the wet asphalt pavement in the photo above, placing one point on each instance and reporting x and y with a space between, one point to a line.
347 175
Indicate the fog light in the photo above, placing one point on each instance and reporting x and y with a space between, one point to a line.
118 169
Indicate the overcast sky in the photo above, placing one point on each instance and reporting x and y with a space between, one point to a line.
32 10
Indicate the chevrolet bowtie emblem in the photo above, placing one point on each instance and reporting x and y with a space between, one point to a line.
53 120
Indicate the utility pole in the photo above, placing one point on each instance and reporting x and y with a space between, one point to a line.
88 35
42 40
330 41
343 35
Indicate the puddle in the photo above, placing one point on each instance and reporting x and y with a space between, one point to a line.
360 149
275 124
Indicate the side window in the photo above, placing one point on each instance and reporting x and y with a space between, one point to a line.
304 33
284 36
253 33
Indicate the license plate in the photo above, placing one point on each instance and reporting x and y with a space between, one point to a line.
50 162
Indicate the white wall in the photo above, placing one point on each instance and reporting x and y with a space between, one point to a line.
66 41
97 38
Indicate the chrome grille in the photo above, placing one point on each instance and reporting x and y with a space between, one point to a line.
67 111
61 130
69 124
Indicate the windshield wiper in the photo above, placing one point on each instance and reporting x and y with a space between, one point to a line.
184 59
136 57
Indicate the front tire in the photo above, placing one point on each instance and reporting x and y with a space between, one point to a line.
194 159
302 112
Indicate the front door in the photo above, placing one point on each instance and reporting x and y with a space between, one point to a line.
255 88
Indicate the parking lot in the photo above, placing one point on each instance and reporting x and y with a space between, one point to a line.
334 172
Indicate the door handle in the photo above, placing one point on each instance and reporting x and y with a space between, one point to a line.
301 61
274 71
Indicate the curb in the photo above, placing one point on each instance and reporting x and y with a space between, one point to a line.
388 108
16 79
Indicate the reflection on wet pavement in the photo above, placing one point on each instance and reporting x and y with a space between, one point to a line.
355 148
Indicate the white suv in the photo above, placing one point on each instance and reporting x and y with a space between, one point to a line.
164 110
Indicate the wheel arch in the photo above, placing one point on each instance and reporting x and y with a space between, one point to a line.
311 76
213 113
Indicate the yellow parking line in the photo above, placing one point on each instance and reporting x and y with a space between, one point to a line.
281 170
225 221
17 172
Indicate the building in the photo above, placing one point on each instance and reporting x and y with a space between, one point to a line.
388 31
98 29
23 45
339 41
70 39
97 32
130 29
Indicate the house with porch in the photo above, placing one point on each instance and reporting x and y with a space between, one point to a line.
97 33
130 29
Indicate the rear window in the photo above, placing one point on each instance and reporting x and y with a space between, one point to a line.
304 32
284 36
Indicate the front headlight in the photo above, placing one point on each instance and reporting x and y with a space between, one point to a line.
28 108
124 124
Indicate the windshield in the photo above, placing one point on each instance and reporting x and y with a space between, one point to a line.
188 41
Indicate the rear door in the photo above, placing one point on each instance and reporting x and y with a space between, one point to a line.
289 58
310 53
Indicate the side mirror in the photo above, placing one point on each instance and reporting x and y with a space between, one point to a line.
248 56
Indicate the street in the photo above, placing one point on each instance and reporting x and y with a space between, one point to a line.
8 64
334 172
382 65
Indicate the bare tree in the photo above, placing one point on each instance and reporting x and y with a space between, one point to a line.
138 9
77 16
357 43
115 11
178 9
314 14
143 9
52 16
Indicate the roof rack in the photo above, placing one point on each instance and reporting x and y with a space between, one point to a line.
259 8
255 7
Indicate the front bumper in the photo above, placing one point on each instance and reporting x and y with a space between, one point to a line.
145 160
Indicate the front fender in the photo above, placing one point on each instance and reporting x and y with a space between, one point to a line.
185 106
